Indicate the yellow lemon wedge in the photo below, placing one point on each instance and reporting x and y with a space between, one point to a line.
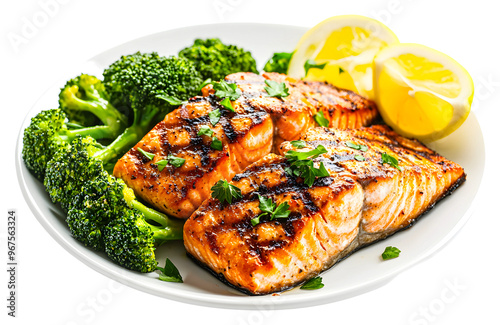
420 92
340 50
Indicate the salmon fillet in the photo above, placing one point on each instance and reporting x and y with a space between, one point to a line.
363 200
246 136
256 128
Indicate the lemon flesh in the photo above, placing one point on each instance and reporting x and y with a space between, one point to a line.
347 44
421 93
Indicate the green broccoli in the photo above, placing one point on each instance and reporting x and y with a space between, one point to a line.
48 133
215 60
139 81
86 103
82 101
61 147
100 205
130 241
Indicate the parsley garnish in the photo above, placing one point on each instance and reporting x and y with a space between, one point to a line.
355 146
268 207
310 64
321 119
226 90
169 273
172 160
341 70
223 191
174 101
359 158
301 164
206 130
390 252
226 103
148 155
302 155
214 116
275 89
313 284
216 144
298 143
388 159
206 82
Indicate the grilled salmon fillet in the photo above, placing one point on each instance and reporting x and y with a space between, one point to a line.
364 199
294 114
246 136
256 128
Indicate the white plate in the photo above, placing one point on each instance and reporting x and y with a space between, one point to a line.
361 272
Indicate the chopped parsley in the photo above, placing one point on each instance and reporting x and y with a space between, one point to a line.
226 103
148 155
214 116
390 252
227 90
359 158
321 119
302 165
206 130
388 159
355 146
299 144
275 89
313 284
216 144
225 192
268 207
169 273
174 101
310 64
171 160
206 82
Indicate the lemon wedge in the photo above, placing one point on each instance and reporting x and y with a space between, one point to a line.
420 92
341 51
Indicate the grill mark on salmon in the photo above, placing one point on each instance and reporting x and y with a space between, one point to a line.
361 202
256 128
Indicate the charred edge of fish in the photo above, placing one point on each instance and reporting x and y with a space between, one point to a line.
352 248
247 292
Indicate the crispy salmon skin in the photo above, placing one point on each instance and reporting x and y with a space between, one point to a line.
364 199
256 128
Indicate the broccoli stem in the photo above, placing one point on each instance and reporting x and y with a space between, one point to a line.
161 234
96 132
141 125
151 214
121 144
100 107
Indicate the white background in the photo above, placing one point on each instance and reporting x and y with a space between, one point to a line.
458 285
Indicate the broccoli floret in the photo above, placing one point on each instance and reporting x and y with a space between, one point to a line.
47 134
83 101
215 60
86 103
279 62
99 203
130 241
70 168
138 81
92 209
